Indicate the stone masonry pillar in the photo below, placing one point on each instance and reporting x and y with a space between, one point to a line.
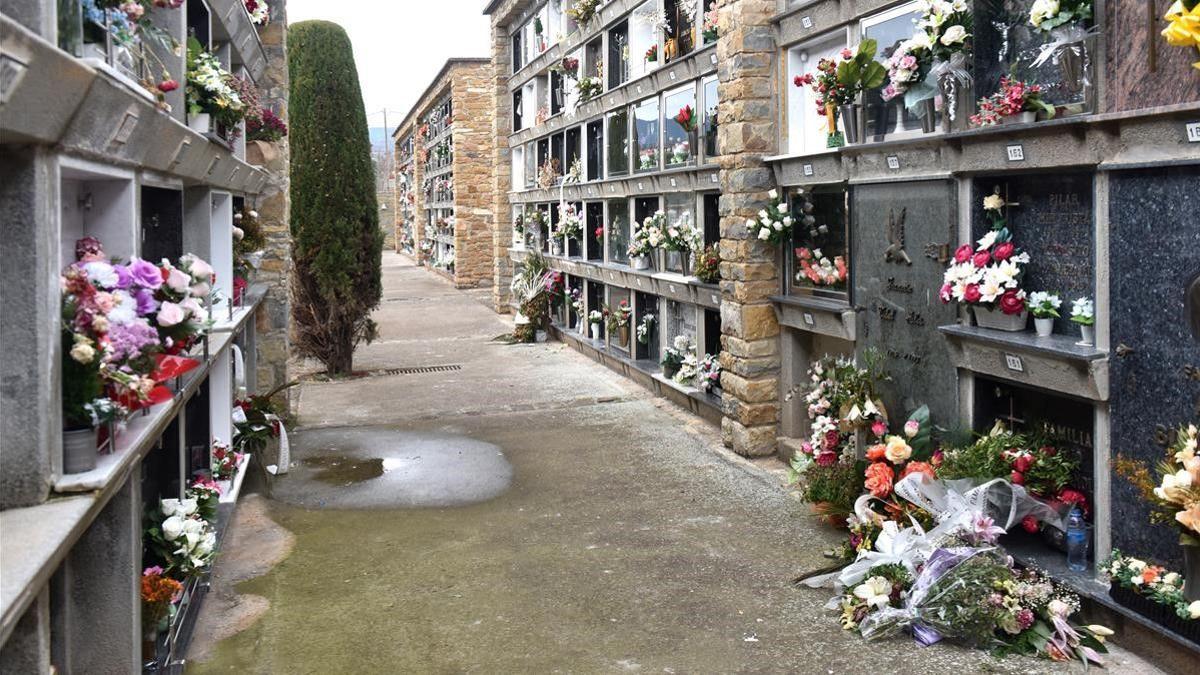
274 212
502 167
749 270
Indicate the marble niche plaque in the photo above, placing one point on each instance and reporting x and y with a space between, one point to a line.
902 235
1052 221
1154 361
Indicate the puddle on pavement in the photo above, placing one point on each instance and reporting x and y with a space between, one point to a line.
343 470
377 467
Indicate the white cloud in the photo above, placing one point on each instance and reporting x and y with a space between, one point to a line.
400 45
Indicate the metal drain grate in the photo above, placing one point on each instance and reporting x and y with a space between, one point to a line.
420 370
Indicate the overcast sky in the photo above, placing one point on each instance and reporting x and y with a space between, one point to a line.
399 45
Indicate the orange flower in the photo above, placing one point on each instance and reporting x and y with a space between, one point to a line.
1150 574
879 479
918 467
875 452
156 589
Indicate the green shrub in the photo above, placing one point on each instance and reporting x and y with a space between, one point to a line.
336 241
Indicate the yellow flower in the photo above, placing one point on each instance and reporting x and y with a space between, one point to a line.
897 450
1184 27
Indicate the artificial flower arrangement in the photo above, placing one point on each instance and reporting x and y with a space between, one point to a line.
708 373
225 461
814 266
988 276
617 321
128 23
774 223
182 540
182 317
159 593
260 13
673 357
1083 314
1044 306
838 83
257 419
841 402
207 494
936 49
570 222
1183 29
1047 15
211 89
707 265
1154 592
583 11
1175 495
1014 100
650 235
595 317
549 174
519 224
651 55
682 236
709 30
589 87
265 127
645 328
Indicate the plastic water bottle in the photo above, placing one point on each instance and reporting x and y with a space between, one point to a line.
1077 541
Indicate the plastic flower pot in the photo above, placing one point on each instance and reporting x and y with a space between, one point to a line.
79 450
1044 326
670 370
997 320
201 123
1088 334
595 332
1020 118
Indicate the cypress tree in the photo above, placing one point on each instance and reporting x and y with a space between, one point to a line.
336 241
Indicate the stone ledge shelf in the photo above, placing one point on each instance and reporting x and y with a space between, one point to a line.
671 285
1054 363
645 373
686 179
817 315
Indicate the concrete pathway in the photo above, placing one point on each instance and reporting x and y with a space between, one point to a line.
528 512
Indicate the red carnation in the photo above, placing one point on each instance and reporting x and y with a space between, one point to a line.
971 293
1012 303
1030 524
1017 478
963 253
832 438
1023 463
1003 250
1073 497
826 458
982 258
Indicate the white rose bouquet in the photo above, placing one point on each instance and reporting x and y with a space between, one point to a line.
774 223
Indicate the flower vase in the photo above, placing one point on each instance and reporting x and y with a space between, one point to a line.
1026 117
555 247
200 123
623 337
670 371
1191 573
835 139
660 257
1043 326
928 113
595 332
674 261
1087 336
998 320
852 122
79 450
641 262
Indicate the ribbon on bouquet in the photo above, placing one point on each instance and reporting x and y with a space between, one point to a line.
285 451
949 77
1067 39
908 547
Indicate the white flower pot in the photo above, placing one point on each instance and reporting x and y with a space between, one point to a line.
641 262
1019 118
1088 334
201 123
555 247
541 336
997 320
79 450
1044 327
595 332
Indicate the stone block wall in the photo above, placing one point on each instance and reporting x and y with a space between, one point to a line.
272 322
749 269
474 140
501 165
388 217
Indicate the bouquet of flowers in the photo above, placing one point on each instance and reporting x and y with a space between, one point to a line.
908 65
266 127
596 316
618 317
207 494
674 356
842 400
1046 15
224 461
583 11
158 593
1083 312
686 118
577 300
840 82
1014 98
708 373
649 235
816 268
774 223
180 537
210 88
709 30
1175 496
256 420
1044 305
646 328
1155 583
260 13
988 275
570 222
588 88
681 235
181 316
936 50
707 267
